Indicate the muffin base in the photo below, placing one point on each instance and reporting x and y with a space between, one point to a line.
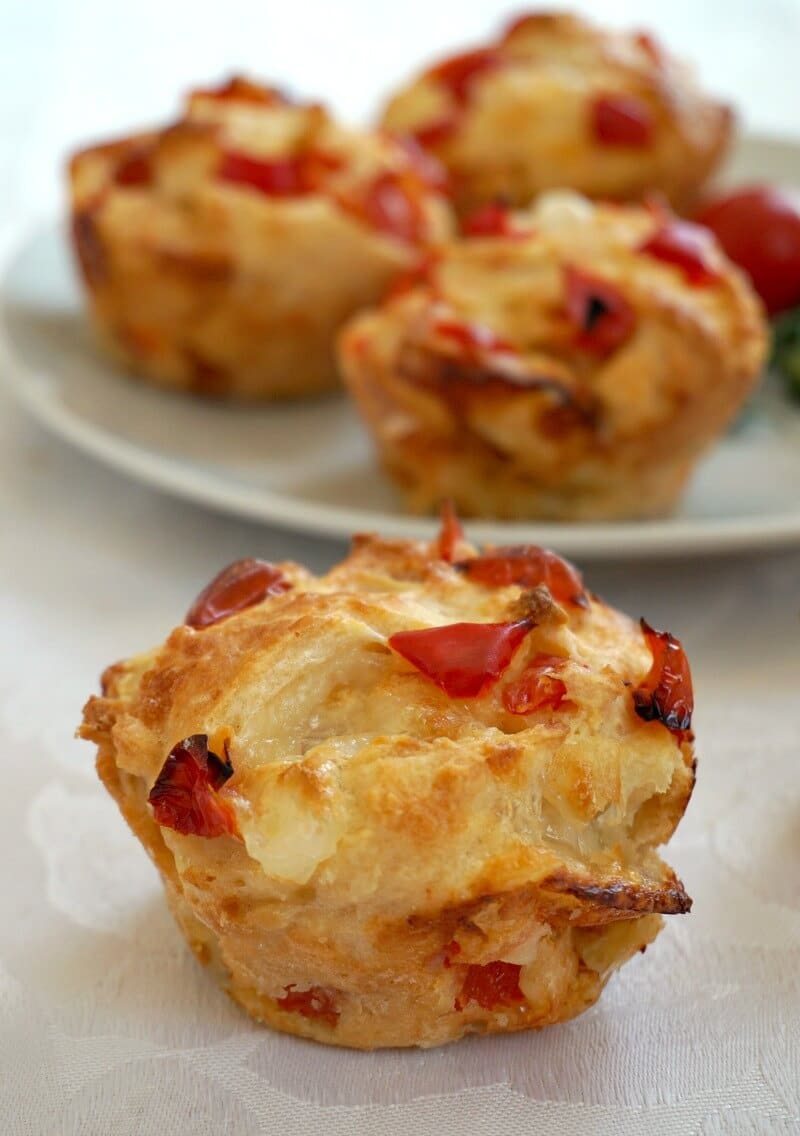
392 982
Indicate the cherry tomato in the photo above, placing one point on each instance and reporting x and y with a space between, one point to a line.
759 229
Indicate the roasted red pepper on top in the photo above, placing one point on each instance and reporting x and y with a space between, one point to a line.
185 796
463 659
239 586
492 220
135 168
622 120
492 986
665 694
685 246
457 75
438 131
450 534
279 177
527 565
602 316
459 72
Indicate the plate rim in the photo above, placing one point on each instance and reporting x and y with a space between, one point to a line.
668 537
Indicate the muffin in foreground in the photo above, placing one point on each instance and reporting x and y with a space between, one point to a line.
557 102
221 254
571 362
415 798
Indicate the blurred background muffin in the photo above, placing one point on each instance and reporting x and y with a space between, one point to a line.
570 362
221 253
556 101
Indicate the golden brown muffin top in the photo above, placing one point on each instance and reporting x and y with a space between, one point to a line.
421 726
246 139
635 88
613 314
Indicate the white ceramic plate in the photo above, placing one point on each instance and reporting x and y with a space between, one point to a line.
311 467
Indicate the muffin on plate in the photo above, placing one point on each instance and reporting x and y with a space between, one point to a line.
557 102
571 362
415 798
221 254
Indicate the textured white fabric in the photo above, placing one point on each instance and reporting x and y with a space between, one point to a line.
107 1025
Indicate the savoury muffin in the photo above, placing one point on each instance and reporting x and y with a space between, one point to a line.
568 363
415 798
221 254
556 102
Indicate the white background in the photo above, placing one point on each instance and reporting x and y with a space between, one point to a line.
106 1024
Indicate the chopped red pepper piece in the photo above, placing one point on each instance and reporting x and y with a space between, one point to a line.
185 794
463 659
460 71
316 1002
492 986
622 120
665 694
278 177
239 586
392 204
686 246
492 220
439 130
601 314
475 338
134 169
451 533
527 565
537 688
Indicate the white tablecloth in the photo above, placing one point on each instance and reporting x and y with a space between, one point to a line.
107 1025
